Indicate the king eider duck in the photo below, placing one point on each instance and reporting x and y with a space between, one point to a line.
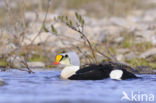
72 70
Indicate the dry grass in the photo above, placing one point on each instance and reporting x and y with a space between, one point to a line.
95 8
104 8
12 19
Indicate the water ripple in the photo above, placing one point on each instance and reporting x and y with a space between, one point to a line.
46 86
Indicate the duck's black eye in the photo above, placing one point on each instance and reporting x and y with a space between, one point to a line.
66 56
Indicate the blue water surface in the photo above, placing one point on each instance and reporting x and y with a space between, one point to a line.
45 86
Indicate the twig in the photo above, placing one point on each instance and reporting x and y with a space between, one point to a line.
38 34
84 36
87 57
103 54
112 56
26 65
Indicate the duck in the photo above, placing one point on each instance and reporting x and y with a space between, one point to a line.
72 70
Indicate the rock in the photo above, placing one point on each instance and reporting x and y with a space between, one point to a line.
119 57
119 39
30 16
43 37
33 16
153 39
16 61
36 64
150 15
123 50
147 35
118 21
102 36
130 55
114 30
34 28
145 70
148 18
2 82
6 44
148 53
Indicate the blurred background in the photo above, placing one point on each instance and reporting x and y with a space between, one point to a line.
124 30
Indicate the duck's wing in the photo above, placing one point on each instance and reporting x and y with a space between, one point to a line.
126 69
90 75
92 72
85 69
118 65
92 67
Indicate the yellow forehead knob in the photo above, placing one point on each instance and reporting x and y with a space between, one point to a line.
58 58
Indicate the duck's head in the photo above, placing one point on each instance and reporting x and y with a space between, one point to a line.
62 59
70 58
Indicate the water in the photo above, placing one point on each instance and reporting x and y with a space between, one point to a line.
46 87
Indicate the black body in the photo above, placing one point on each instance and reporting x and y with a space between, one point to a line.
100 71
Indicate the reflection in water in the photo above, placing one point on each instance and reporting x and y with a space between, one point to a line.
46 86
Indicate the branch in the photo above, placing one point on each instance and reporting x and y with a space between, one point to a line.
48 5
26 65
103 54
84 36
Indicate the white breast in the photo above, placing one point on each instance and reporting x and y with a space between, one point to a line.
69 71
116 74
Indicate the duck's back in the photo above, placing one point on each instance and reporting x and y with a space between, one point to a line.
92 72
102 71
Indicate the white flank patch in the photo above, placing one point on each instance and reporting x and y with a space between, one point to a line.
116 74
69 71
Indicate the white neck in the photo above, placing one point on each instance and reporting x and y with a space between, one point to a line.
68 71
